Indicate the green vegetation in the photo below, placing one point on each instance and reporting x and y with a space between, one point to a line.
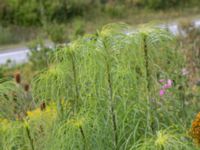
64 20
190 46
105 90
108 90
33 12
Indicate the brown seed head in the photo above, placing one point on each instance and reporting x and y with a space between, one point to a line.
43 106
26 87
17 77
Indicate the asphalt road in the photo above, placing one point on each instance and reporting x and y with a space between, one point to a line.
17 55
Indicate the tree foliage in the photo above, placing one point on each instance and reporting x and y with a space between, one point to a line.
38 12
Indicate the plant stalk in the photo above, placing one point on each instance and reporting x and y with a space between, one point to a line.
75 82
112 109
29 137
83 136
146 57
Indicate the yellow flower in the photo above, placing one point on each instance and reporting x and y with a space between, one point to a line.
34 114
48 114
161 139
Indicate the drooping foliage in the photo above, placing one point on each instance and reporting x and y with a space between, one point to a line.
114 89
15 100
110 81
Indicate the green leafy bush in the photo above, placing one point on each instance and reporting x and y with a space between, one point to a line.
162 4
39 54
36 13
111 81
115 10
6 36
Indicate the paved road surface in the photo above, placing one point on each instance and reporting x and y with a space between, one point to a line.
18 55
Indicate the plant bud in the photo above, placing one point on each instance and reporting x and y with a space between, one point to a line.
26 87
42 106
17 77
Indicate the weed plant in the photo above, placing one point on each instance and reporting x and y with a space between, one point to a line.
102 92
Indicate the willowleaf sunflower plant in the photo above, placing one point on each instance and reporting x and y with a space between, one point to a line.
105 87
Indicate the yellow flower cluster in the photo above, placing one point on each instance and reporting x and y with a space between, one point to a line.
195 130
48 114
35 113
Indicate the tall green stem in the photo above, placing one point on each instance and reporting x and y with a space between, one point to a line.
75 82
112 105
146 57
29 137
83 136
77 97
112 109
150 125
147 63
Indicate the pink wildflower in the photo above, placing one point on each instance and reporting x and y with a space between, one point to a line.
168 84
161 80
162 92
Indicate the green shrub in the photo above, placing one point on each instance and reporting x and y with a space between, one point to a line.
37 13
111 82
115 10
39 55
57 33
6 36
79 28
